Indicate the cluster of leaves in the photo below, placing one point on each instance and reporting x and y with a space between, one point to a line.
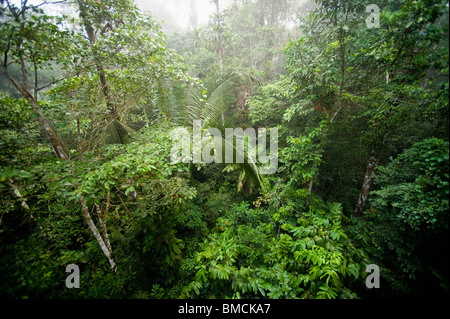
17 125
291 254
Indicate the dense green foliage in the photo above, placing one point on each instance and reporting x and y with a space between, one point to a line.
88 103
410 217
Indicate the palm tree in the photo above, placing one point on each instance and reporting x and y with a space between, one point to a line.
210 107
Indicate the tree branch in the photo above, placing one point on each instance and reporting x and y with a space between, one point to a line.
57 80
18 86
5 62
102 221
16 192
35 79
96 233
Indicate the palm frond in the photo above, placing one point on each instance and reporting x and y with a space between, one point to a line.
117 132
249 172
218 87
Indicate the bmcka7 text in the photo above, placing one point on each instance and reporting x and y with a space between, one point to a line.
226 308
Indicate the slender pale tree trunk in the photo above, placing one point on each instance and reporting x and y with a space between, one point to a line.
16 193
367 184
59 152
24 205
24 87
55 141
103 242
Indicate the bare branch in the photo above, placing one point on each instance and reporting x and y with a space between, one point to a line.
12 62
16 192
47 2
56 81
96 233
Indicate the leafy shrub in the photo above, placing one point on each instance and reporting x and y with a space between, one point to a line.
250 254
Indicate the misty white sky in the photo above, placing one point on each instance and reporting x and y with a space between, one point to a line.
175 13
178 12
172 14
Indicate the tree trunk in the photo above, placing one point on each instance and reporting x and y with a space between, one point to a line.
272 34
16 193
101 71
55 142
220 49
367 184
24 87
368 178
105 247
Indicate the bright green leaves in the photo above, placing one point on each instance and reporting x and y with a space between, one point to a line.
215 263
303 155
142 193
123 69
133 166
268 104
321 247
313 258
17 128
125 170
